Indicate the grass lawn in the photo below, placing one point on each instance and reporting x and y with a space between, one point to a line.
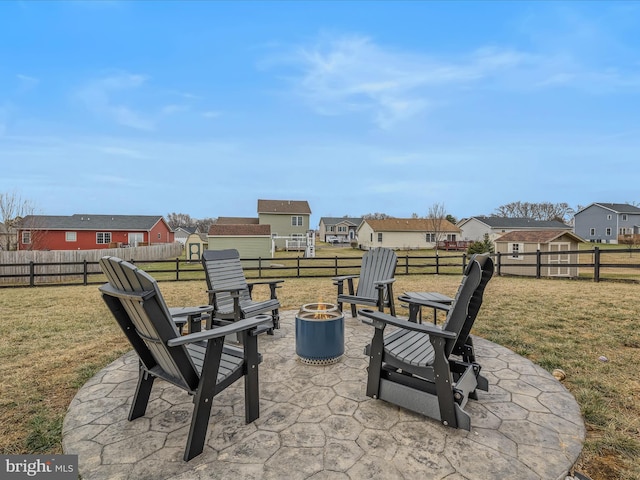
52 339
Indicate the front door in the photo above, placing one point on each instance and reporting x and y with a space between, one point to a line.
558 259
135 238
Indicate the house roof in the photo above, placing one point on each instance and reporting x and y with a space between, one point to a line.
616 207
284 206
239 230
410 225
355 221
188 230
537 236
237 221
506 222
91 222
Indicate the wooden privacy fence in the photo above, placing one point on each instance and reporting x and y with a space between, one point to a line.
34 267
80 268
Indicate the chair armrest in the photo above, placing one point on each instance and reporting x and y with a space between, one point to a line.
232 291
266 282
380 320
235 327
343 278
177 312
384 282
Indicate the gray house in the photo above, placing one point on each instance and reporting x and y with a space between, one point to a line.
607 222
343 228
474 228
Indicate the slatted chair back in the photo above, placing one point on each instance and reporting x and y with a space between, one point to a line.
468 300
224 271
377 264
135 300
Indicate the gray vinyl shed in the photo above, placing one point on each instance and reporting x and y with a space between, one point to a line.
558 243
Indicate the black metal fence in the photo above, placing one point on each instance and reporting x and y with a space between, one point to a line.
595 264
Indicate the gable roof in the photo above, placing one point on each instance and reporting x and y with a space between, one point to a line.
354 221
409 225
616 207
237 221
187 230
537 236
239 230
507 222
91 222
284 206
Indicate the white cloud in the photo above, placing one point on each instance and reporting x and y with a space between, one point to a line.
98 97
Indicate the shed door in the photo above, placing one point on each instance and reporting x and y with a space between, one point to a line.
559 259
135 238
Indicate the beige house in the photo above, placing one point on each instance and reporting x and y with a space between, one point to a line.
405 233
251 241
557 243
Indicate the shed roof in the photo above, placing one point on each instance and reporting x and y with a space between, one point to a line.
355 221
537 236
284 206
410 225
239 230
91 222
237 220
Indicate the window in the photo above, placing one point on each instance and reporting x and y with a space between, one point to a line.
515 249
609 217
608 232
624 217
451 237
380 237
26 237
103 237
430 237
342 229
296 221
592 231
70 236
331 228
159 235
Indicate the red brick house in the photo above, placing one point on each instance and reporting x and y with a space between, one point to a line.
88 232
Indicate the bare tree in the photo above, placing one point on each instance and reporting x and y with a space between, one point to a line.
175 220
204 224
376 216
437 216
13 208
536 211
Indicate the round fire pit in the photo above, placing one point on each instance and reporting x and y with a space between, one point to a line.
319 333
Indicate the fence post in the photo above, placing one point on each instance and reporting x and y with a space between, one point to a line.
32 274
538 263
596 264
499 262
406 264
259 267
335 262
86 273
464 262
437 264
298 266
177 268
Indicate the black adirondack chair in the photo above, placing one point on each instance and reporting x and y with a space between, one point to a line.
231 294
199 363
425 368
375 282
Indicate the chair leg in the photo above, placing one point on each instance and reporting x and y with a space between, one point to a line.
444 387
203 399
375 363
251 387
141 397
354 312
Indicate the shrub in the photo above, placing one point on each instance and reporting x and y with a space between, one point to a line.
484 246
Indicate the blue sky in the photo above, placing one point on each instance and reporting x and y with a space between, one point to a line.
358 107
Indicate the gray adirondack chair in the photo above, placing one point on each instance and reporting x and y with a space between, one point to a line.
231 294
375 282
199 363
425 368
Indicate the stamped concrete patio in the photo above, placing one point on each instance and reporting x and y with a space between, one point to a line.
316 423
